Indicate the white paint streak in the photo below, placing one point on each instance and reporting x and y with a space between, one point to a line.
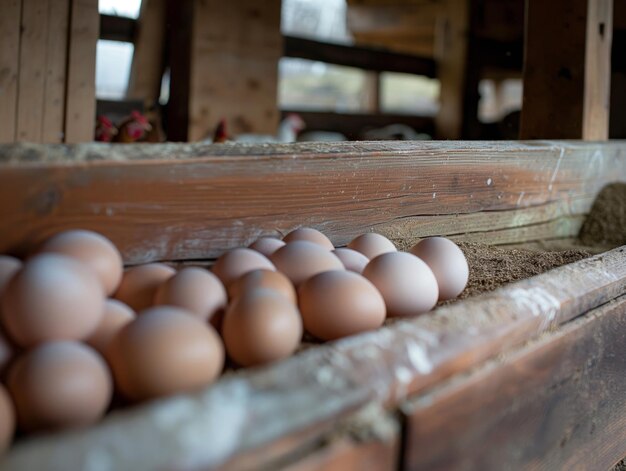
556 168
519 200
537 300
489 181
418 356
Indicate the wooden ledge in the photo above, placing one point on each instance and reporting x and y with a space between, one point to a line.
303 397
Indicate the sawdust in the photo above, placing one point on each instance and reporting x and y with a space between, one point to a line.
621 466
606 223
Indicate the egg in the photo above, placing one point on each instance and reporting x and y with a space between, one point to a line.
406 283
267 245
140 284
236 263
58 385
53 297
94 250
166 350
194 289
9 266
261 326
351 259
7 419
256 279
116 315
372 245
310 235
447 262
6 352
336 304
301 260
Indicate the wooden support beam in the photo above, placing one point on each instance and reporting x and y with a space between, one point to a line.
566 69
10 21
452 64
148 64
80 105
367 58
327 186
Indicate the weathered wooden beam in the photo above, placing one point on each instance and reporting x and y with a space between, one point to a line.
557 403
204 199
357 56
302 398
117 28
567 69
10 26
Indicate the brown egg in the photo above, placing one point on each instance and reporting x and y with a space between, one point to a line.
256 279
372 245
237 262
267 245
116 315
58 385
140 284
261 326
301 260
9 266
336 304
7 419
407 284
351 259
94 250
310 235
53 297
447 262
194 289
7 351
166 350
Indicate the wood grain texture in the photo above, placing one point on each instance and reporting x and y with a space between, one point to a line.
206 199
81 71
53 112
598 70
557 403
310 392
33 66
235 49
10 21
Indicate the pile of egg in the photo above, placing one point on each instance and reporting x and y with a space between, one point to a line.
76 329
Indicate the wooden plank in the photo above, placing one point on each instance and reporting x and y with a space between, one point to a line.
32 76
148 63
326 385
558 403
235 50
361 57
452 55
56 68
10 22
598 70
118 28
80 106
193 206
561 87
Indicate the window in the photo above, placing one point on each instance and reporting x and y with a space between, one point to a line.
323 20
113 61
498 98
408 94
128 8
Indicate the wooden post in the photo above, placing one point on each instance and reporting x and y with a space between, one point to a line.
148 59
372 92
566 69
451 54
80 102
10 21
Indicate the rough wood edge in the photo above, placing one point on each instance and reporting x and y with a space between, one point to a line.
254 408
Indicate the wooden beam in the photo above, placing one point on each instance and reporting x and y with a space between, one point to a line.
148 64
598 70
559 89
118 28
10 21
328 186
557 403
452 55
300 400
81 71
362 57
32 77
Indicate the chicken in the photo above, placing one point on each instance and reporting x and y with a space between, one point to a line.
135 128
220 134
105 129
400 132
287 131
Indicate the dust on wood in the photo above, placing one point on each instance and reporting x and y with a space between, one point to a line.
606 224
